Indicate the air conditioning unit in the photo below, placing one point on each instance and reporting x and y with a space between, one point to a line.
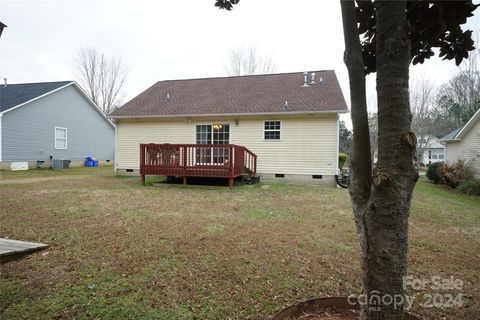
60 164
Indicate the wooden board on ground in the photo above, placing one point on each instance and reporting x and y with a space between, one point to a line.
9 247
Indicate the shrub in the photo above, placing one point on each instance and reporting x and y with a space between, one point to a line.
342 159
456 173
470 187
432 173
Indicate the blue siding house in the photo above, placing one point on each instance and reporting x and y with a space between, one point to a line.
52 120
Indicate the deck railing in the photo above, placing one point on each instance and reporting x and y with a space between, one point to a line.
197 160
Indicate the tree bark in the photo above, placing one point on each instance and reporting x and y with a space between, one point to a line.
381 199
395 176
361 165
361 162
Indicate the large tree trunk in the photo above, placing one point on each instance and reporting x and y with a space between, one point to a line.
361 162
395 175
381 201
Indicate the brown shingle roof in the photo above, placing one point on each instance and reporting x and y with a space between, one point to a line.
238 95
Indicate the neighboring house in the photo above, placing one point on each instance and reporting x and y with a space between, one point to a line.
52 120
289 120
433 150
464 143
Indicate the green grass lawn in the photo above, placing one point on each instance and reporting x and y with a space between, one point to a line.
123 251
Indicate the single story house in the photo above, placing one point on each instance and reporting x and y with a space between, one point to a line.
433 150
464 144
52 120
289 121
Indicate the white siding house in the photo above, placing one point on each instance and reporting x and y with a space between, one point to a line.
464 144
433 150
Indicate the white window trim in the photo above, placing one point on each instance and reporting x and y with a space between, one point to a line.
66 138
436 153
211 124
281 126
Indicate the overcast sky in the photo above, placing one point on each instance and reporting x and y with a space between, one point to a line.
168 39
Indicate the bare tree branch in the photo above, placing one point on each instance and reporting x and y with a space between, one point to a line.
103 79
247 61
373 129
459 98
422 95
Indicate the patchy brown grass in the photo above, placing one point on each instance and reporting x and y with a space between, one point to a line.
120 250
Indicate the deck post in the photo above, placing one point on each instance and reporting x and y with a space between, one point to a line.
184 180
142 163
185 157
231 170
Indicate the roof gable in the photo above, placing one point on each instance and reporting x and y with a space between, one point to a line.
272 93
34 91
458 134
13 95
469 125
429 142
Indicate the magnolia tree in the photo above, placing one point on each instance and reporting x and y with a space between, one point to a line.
385 37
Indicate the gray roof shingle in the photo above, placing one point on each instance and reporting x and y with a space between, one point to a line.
238 95
12 95
451 135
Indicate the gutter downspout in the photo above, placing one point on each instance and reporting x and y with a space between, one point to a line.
337 144
116 147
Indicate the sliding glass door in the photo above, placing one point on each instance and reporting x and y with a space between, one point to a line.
204 136
212 134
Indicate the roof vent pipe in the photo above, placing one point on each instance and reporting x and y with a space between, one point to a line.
5 80
312 79
305 79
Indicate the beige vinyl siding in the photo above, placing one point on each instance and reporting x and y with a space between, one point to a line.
467 149
131 134
308 145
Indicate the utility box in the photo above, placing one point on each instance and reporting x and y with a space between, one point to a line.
60 164
14 166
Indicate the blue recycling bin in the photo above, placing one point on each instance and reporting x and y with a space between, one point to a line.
89 162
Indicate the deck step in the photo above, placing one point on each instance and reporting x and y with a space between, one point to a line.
250 178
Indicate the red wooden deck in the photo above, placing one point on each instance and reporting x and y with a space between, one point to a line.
197 160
